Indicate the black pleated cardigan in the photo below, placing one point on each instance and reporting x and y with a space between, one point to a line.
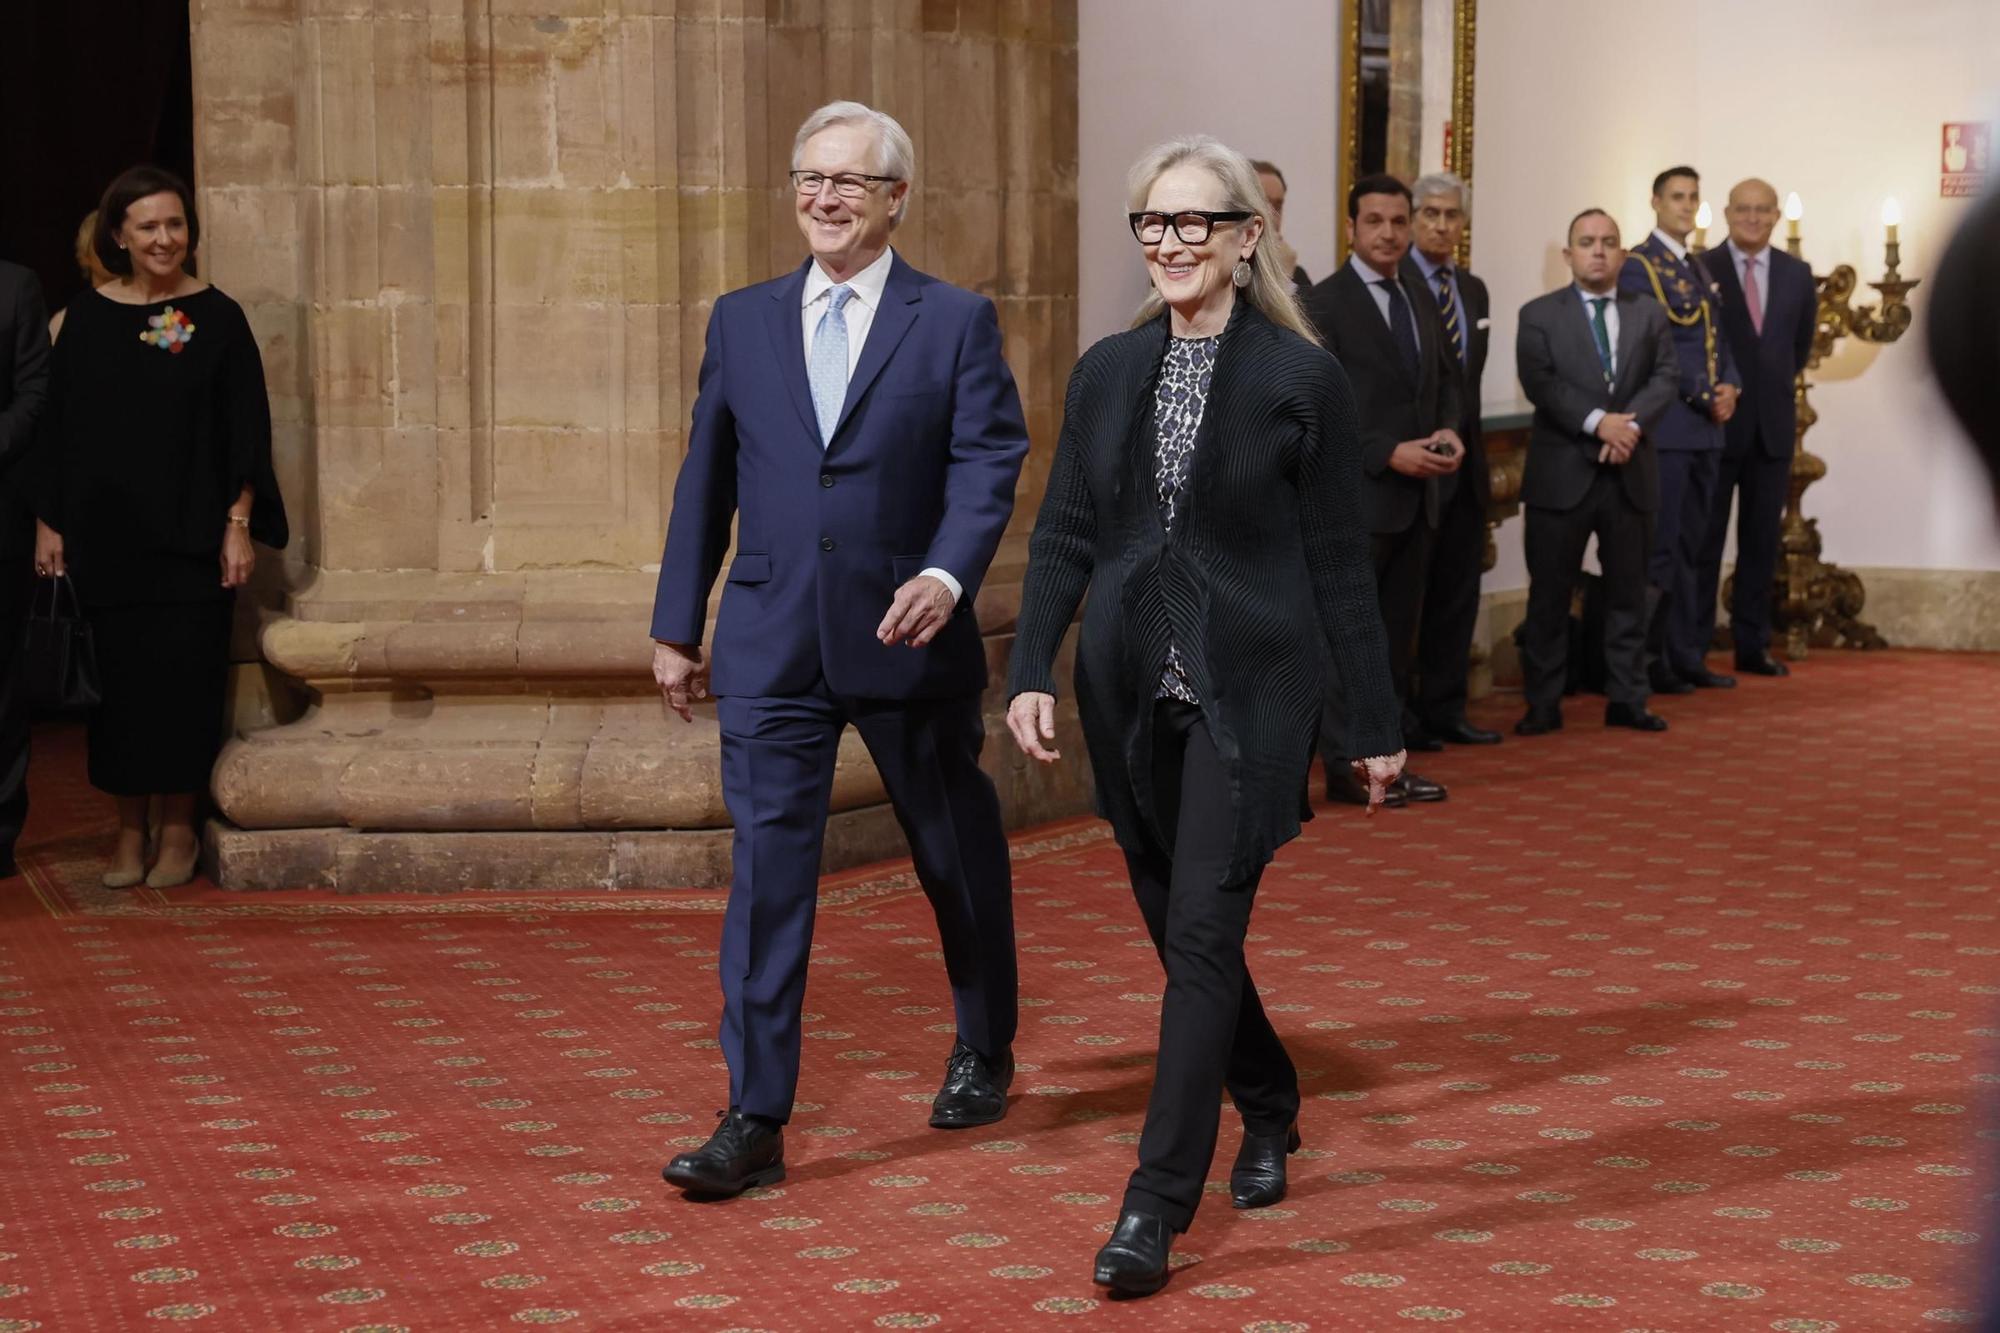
1264 584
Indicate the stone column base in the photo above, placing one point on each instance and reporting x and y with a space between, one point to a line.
503 732
450 861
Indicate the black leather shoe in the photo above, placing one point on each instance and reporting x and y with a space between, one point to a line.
1343 786
1634 716
1460 732
1134 1261
1416 788
745 1151
1704 679
1665 680
1258 1178
1419 738
1539 722
1761 664
974 1091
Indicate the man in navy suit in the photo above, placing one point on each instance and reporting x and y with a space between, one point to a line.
857 420
1770 305
1688 437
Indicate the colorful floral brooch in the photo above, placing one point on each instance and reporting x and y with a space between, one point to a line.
171 329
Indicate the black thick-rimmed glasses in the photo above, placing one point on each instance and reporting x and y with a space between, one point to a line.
848 184
1192 225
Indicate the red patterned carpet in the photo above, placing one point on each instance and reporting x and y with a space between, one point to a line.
1634 1033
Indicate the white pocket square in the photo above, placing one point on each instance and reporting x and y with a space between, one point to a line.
1482 323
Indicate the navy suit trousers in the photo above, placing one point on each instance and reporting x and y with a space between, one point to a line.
1680 532
1758 484
777 778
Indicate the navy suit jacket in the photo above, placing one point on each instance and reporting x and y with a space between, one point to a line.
920 473
1651 270
1769 362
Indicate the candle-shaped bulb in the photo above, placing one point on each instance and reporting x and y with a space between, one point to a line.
1794 210
1892 217
1704 217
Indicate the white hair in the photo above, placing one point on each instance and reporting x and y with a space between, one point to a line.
1443 182
895 156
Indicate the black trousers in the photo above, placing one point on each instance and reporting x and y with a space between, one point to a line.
1680 534
1450 610
1759 484
1213 1029
1554 541
1402 561
778 760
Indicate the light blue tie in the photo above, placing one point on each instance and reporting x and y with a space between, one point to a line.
828 368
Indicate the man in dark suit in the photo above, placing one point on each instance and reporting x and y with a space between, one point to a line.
1273 181
1598 364
1770 305
1451 590
24 388
856 419
1688 438
1382 325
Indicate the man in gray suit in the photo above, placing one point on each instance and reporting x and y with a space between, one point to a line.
1599 367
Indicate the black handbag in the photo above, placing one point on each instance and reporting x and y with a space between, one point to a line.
58 657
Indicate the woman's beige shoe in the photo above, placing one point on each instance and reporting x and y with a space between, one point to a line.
121 879
171 871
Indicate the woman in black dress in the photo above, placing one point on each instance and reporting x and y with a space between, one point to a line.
1206 493
156 474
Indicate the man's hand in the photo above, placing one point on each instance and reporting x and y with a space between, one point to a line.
1620 433
1414 458
922 607
1032 718
682 673
1724 405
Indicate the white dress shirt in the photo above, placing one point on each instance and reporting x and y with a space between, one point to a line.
868 285
1678 249
1610 300
1366 272
1759 273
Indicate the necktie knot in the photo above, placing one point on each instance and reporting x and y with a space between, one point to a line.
840 295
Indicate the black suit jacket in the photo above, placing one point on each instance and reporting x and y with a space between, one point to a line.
1473 320
1556 355
1391 408
1265 576
24 381
1771 361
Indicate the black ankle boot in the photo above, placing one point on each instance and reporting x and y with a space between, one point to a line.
1134 1261
1258 1178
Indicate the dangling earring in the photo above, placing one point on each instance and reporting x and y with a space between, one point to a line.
1241 275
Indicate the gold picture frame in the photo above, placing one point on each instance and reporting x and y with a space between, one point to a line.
1406 16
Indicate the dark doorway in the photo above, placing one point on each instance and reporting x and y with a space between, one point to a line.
86 90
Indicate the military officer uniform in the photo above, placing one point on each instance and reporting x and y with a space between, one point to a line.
1688 440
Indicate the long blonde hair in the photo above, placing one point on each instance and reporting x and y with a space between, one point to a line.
1270 291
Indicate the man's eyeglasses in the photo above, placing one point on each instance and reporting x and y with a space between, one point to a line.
848 184
1192 225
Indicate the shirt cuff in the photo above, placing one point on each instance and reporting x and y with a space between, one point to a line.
1590 422
957 588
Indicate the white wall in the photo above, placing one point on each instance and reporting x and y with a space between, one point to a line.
1840 100
1257 74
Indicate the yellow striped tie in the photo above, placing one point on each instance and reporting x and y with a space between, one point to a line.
1449 309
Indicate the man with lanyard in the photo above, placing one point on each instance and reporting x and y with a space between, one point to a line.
1688 436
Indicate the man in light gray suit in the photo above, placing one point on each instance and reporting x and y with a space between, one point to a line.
1599 368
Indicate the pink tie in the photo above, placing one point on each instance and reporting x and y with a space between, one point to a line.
1750 297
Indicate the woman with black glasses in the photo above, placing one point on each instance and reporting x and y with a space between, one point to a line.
1205 492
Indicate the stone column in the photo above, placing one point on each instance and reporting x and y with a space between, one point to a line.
479 242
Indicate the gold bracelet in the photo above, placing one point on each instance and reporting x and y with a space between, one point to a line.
240 520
